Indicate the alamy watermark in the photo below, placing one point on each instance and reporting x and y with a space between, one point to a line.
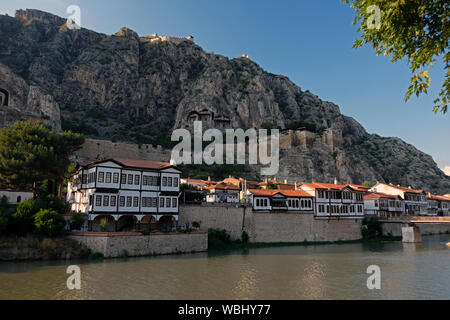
74 280
374 20
374 281
74 20
233 150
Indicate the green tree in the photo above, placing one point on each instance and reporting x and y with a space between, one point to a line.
5 214
76 221
49 223
66 145
23 218
418 30
368 184
31 153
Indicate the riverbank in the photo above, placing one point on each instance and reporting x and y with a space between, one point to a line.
216 247
32 247
135 244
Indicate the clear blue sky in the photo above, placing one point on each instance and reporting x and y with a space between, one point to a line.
308 41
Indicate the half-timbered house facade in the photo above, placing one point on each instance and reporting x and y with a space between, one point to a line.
147 191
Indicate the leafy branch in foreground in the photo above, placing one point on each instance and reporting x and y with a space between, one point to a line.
416 29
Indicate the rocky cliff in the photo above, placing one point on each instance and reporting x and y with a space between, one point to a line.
126 87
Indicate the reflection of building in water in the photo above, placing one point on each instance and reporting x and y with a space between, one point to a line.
4 97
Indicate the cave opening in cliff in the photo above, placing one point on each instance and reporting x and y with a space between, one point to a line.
4 97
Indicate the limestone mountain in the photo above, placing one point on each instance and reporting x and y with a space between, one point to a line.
126 87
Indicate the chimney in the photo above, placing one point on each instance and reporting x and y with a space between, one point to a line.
285 181
209 178
335 181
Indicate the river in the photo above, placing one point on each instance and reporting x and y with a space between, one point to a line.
408 271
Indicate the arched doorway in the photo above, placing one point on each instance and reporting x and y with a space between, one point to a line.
126 223
148 223
103 223
166 223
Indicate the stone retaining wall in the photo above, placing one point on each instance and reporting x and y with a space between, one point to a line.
114 245
290 227
395 229
270 227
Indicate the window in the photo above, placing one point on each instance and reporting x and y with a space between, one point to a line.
122 201
169 181
136 179
328 209
154 202
174 202
106 201
116 177
108 177
175 182
129 199
161 202
101 176
257 202
164 182
19 199
144 180
98 201
123 178
136 202
130 179
113 201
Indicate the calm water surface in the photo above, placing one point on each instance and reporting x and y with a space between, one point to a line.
408 271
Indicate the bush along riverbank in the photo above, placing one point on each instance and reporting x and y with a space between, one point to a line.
35 230
220 240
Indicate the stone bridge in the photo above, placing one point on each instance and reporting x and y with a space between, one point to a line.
411 226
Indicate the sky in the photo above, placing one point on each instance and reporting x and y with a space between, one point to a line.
308 41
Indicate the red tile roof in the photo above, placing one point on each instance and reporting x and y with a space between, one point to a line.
263 193
379 195
320 185
146 164
296 193
224 186
436 197
405 189
358 187
132 163
287 193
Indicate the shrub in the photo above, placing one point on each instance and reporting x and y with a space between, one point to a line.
23 219
5 214
244 237
95 256
371 228
196 225
49 223
54 203
76 221
104 225
218 239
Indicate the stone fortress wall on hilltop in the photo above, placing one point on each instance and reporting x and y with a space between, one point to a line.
93 150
